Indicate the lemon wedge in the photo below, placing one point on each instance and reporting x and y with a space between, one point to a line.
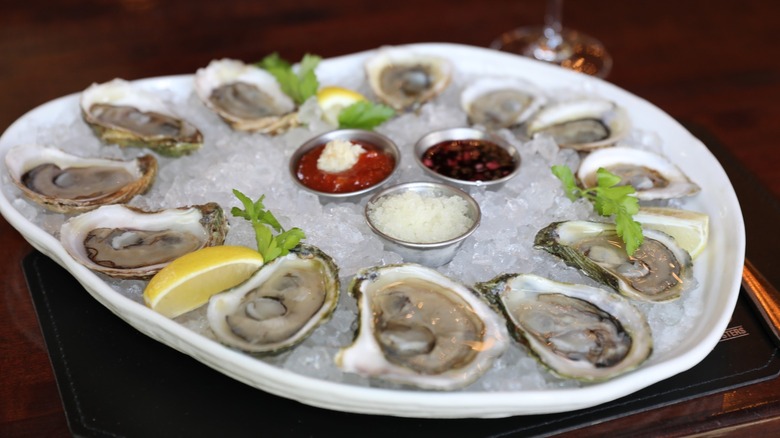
333 99
189 281
689 228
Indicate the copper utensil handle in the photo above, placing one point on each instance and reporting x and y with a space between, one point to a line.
765 297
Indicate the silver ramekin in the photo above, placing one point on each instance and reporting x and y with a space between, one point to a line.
379 140
436 137
429 254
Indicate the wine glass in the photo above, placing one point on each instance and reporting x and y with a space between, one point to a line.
552 43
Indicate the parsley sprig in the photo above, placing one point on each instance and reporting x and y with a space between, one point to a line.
609 199
268 245
299 86
364 115
303 84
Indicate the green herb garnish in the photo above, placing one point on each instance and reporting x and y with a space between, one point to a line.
364 115
299 86
608 199
268 245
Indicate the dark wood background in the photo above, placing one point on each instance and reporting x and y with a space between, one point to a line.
714 63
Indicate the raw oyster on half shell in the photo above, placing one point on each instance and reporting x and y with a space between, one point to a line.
577 331
582 124
121 113
245 96
652 175
418 327
67 183
126 242
404 79
500 102
659 270
280 305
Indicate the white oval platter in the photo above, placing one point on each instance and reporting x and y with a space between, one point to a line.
718 269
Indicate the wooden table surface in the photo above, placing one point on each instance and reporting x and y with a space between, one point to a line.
712 63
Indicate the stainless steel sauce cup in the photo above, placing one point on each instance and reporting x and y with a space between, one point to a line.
429 254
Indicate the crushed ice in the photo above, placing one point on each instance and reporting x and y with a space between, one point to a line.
257 164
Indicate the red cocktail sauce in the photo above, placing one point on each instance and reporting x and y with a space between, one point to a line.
372 166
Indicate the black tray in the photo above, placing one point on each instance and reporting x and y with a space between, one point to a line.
115 381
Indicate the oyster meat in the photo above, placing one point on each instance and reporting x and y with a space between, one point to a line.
126 242
500 102
418 327
652 175
581 124
121 113
67 183
280 305
659 270
245 96
577 331
404 79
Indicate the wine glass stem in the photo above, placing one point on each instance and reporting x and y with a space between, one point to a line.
552 24
551 46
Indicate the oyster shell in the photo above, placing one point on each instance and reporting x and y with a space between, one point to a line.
121 113
67 183
652 175
245 96
404 79
417 327
126 242
500 102
659 269
581 124
577 331
280 305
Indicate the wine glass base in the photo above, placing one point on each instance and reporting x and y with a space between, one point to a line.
577 51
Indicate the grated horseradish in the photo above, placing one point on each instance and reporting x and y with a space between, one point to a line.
412 217
339 155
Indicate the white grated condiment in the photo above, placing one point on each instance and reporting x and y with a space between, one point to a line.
412 217
339 155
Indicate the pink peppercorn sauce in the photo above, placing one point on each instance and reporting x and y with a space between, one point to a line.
469 160
372 167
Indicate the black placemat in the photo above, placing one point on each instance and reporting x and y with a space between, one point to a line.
115 381
760 209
